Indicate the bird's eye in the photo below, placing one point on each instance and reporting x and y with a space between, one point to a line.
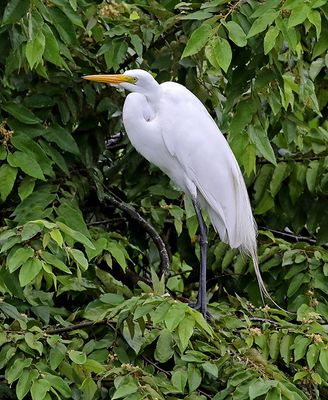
134 80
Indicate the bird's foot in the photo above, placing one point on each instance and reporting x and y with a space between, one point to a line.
203 310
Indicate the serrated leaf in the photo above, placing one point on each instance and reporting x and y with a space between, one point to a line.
197 40
7 179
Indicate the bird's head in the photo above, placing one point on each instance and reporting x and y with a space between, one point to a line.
134 80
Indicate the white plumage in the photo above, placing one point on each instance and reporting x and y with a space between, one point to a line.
172 129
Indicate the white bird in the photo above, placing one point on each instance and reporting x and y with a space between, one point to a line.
171 128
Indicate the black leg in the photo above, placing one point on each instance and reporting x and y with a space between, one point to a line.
202 298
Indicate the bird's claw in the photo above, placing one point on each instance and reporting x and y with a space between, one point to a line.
202 310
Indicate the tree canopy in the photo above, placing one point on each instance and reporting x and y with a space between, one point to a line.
85 310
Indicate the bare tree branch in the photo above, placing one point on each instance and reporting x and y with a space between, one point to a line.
133 214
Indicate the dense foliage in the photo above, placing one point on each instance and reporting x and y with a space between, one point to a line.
83 312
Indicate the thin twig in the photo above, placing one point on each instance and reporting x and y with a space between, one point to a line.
133 214
263 320
297 238
81 325
167 373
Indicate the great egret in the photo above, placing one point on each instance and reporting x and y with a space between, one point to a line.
172 129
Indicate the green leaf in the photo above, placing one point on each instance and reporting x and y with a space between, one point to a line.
88 388
34 49
16 369
312 175
323 358
179 379
32 341
281 172
261 23
39 389
259 137
21 113
260 387
164 346
78 357
174 316
59 384
29 271
79 258
30 230
56 355
14 11
7 179
298 14
127 385
315 19
25 382
51 50
77 236
300 347
26 163
312 355
63 25
274 345
194 377
210 368
285 348
62 138
236 33
197 40
18 257
270 39
26 187
222 53
56 262
117 252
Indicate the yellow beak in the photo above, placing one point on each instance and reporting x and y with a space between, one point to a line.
110 78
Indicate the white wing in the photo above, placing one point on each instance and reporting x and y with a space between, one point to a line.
192 137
